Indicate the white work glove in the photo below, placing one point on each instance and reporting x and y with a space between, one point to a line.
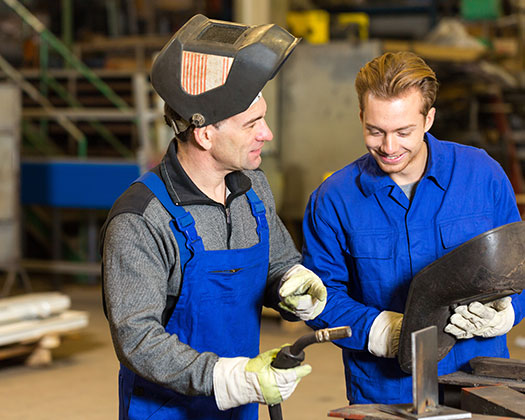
383 339
302 293
240 380
482 320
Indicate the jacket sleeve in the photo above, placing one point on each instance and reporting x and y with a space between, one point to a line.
138 266
324 254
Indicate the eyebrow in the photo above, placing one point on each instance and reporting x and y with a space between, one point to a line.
397 129
247 123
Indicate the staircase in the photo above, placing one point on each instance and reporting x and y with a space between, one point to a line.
86 135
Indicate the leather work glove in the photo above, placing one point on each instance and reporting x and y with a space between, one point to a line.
240 380
482 320
383 339
302 293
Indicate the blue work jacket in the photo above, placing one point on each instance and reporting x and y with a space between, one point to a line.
367 240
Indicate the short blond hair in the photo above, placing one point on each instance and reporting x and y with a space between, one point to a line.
392 74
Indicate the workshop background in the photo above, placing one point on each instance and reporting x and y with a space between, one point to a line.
79 121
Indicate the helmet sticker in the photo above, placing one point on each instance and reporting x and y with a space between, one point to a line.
203 72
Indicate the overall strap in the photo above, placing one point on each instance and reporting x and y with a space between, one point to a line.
182 224
258 211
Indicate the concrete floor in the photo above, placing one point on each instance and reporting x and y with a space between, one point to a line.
81 383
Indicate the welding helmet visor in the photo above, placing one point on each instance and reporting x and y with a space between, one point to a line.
211 70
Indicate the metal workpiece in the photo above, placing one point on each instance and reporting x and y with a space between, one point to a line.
498 400
424 382
424 365
498 367
487 267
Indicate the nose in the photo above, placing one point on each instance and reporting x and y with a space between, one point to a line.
264 133
389 144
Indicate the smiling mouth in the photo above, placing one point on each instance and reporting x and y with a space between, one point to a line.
391 159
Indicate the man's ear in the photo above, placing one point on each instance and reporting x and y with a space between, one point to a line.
203 136
429 119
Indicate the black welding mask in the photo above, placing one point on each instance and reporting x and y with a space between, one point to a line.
211 70
485 268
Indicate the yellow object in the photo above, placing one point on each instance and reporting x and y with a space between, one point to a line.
267 376
361 19
327 175
312 25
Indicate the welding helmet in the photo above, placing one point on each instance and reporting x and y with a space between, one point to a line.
211 70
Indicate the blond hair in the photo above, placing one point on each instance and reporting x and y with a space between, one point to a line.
392 74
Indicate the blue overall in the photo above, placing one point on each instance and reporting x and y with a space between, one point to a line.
218 310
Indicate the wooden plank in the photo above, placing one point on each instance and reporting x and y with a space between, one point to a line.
497 400
41 355
497 367
37 353
15 350
434 51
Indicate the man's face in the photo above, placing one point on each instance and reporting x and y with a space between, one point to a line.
394 134
238 140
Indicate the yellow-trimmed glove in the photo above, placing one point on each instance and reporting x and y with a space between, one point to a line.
240 380
482 320
302 293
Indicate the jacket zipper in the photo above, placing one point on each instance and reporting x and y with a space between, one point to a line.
228 226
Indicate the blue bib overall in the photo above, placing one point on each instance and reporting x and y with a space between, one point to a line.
218 310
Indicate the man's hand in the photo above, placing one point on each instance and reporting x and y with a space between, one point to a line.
383 339
482 320
240 380
302 293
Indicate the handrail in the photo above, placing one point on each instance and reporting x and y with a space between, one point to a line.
106 134
59 46
36 138
28 88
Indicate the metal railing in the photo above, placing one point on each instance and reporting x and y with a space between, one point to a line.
48 39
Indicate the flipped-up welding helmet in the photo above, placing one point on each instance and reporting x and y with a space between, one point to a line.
211 70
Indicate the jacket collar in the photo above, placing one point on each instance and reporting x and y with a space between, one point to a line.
438 170
182 189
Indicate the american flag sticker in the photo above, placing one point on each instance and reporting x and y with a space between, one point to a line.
203 72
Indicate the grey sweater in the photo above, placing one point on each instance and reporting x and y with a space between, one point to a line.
142 275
